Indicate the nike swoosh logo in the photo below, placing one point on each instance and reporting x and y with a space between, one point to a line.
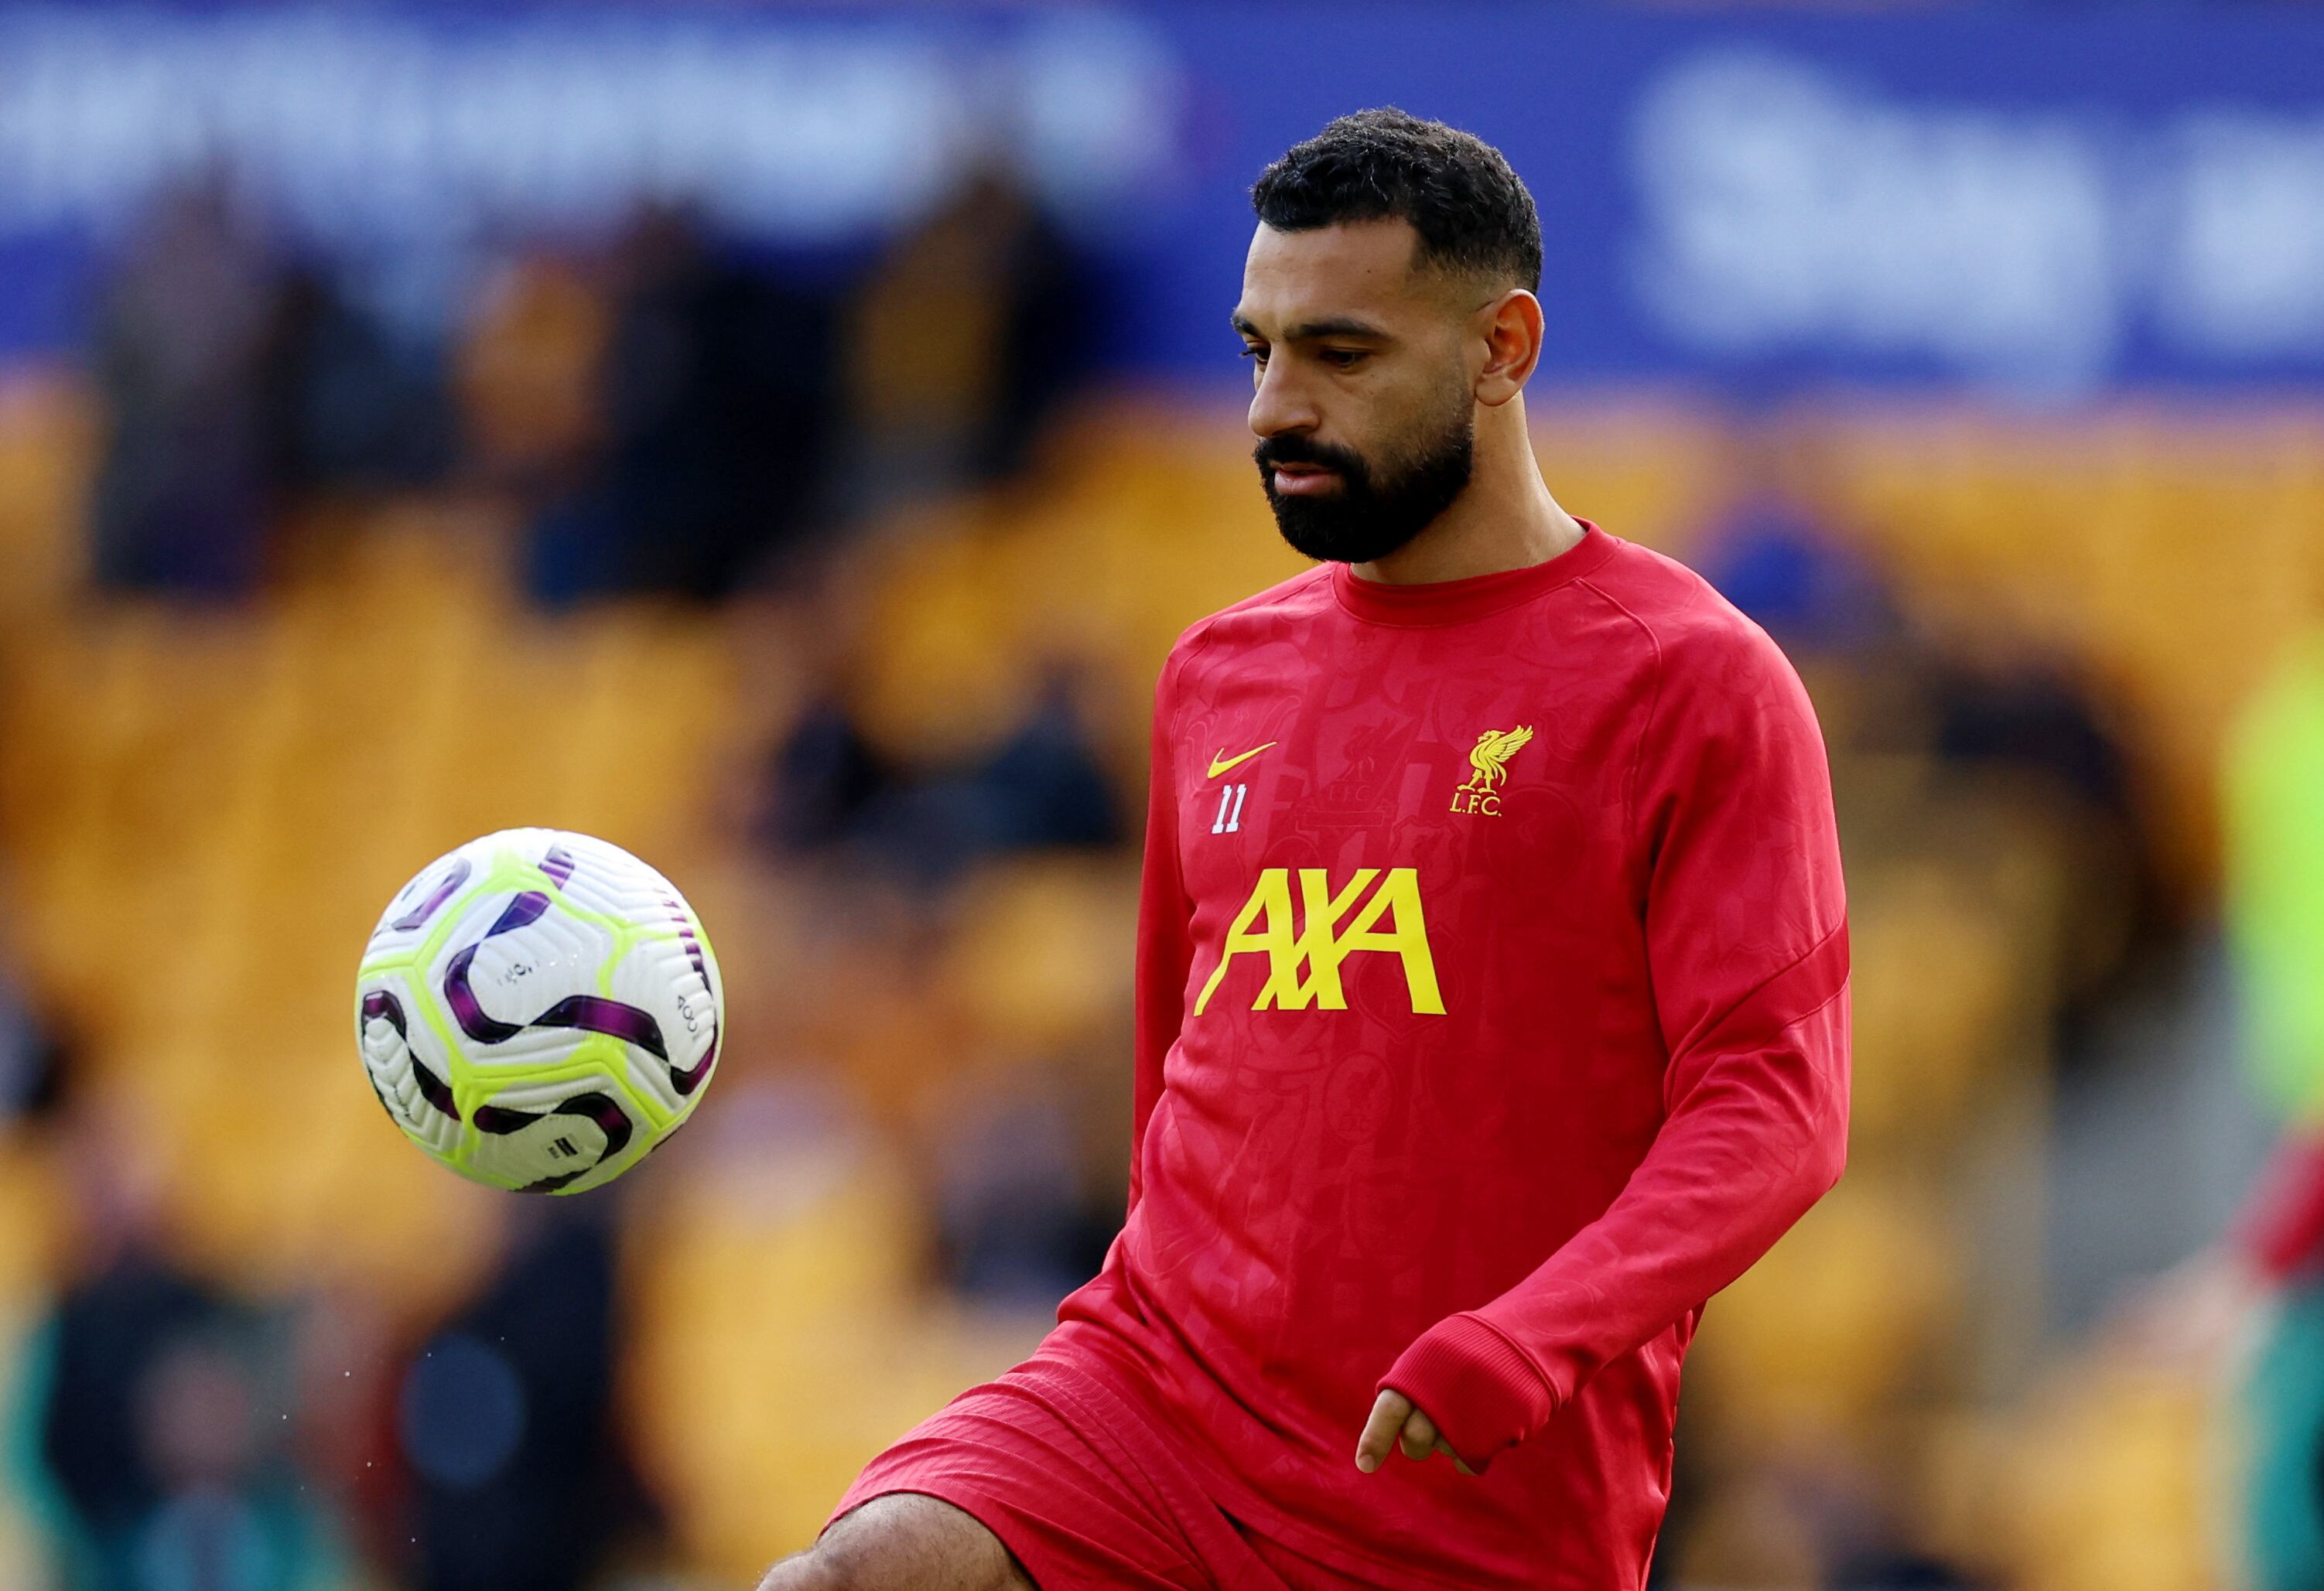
1221 762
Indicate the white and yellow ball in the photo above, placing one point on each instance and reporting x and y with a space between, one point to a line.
539 1010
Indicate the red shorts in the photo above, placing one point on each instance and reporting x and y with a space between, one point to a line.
1078 1479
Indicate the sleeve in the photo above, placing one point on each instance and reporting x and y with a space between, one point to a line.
1746 944
2280 1229
1165 945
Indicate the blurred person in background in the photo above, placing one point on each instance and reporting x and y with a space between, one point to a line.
717 384
1020 1218
957 354
184 331
1990 706
1042 786
2255 1300
1971 762
1463 1197
353 401
518 1478
154 1408
34 1064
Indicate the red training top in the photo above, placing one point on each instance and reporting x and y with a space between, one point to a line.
1492 1013
2281 1228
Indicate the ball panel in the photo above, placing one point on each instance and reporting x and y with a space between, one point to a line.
442 890
560 1136
657 977
411 1081
498 980
578 1135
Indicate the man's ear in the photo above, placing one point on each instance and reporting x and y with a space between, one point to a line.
1512 328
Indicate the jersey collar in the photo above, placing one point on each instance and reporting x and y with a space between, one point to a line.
1453 602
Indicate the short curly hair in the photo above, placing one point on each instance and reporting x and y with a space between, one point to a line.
1458 192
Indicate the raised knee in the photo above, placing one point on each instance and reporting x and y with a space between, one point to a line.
814 1570
902 1541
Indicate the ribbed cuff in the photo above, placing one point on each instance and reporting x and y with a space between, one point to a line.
1481 1392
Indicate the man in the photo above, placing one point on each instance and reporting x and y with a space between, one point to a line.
1492 1000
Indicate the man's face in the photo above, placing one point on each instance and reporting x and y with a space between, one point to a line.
1363 399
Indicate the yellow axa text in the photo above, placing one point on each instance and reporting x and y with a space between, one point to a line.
1303 960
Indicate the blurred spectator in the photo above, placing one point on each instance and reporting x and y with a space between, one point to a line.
965 338
1018 1219
1991 708
519 1479
353 403
1907 1572
152 1413
528 376
717 391
2276 902
33 1057
1041 787
231 1516
1804 587
826 775
183 330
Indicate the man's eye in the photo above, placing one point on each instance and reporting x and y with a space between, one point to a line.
1258 354
1343 358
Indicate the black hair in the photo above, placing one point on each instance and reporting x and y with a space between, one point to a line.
1457 191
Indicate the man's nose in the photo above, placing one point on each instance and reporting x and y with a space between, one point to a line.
1280 403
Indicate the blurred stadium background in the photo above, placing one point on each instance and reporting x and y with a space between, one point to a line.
785 442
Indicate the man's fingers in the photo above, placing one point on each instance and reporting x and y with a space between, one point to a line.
1395 1423
1445 1448
1380 1431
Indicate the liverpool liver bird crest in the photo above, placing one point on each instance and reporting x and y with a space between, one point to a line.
1490 757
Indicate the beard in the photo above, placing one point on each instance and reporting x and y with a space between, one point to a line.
1374 512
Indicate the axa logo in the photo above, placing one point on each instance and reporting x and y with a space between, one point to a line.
1304 954
1490 758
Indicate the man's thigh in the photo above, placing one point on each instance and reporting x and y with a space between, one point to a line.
903 1541
1082 1482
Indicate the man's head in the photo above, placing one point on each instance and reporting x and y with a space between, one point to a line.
1387 293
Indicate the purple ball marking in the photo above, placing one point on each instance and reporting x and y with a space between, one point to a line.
683 1080
522 911
500 1121
433 1089
558 866
610 1117
436 898
381 1005
467 1010
592 1014
585 1013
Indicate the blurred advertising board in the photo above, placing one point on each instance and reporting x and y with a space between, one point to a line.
2047 202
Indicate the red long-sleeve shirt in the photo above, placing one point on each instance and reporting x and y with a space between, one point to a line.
2280 1229
1492 1013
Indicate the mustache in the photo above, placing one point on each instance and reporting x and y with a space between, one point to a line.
1291 448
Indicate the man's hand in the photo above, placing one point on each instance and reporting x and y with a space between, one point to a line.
1395 1423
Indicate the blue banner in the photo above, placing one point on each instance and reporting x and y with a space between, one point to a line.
2045 202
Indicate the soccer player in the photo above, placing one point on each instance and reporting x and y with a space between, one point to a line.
1491 990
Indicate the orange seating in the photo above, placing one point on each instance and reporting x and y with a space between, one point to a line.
201 814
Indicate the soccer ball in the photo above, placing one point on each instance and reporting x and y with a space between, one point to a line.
539 1010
